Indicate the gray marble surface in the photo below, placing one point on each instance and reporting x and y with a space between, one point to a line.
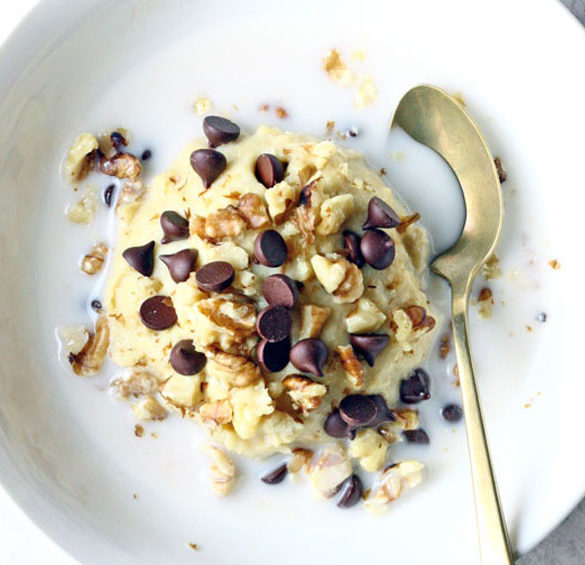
566 545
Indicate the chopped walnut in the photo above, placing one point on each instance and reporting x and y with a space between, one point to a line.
353 368
390 435
227 320
301 459
72 339
334 212
339 277
148 408
251 208
280 199
181 391
370 448
406 419
131 192
352 286
394 481
91 358
305 393
281 113
367 317
222 470
137 382
93 262
216 413
337 70
231 369
502 175
554 264
407 221
312 320
80 157
228 251
444 347
491 268
485 302
83 211
121 165
222 224
305 218
250 405
330 470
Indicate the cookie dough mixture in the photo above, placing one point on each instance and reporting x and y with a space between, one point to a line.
269 286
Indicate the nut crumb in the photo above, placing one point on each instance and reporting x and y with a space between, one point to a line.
93 262
202 105
528 328
135 496
138 430
193 546
83 211
281 113
263 107
444 347
554 264
502 174
491 268
337 70
153 435
485 302
330 128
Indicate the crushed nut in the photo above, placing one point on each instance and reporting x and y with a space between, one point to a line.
231 369
330 470
352 366
137 382
280 199
305 393
80 157
132 191
367 92
301 459
228 251
202 105
407 221
444 347
138 430
83 211
393 482
93 262
352 286
217 413
72 339
339 277
370 448
554 264
281 113
491 268
92 356
148 408
121 165
406 419
251 208
502 175
305 218
485 302
334 212
334 66
312 320
222 470
226 223
390 435
181 391
366 317
250 405
226 321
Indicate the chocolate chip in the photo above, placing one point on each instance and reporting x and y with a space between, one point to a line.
96 305
215 276
158 313
219 130
118 140
415 388
108 194
280 290
309 355
351 492
305 194
180 264
273 356
146 155
185 359
141 258
274 323
383 413
358 410
417 315
377 248
369 346
208 164
452 413
351 243
269 170
270 249
276 476
174 227
336 426
416 436
380 215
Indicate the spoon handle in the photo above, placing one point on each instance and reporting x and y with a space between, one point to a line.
493 536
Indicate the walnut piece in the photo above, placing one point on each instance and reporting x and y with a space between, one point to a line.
366 318
367 92
485 302
334 66
93 262
352 366
251 208
301 459
80 157
370 448
131 192
491 268
312 320
72 339
227 251
226 223
334 212
305 393
352 286
181 391
83 211
280 199
406 419
121 165
216 413
137 382
394 481
330 470
305 218
231 369
222 470
91 358
148 408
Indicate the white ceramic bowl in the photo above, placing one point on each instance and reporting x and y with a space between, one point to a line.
68 455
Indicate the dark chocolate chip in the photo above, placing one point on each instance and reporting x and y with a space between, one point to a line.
270 249
274 323
158 313
378 249
358 410
118 140
185 359
269 170
141 258
351 243
415 388
380 215
108 194
96 305
309 355
336 426
416 436
146 155
180 264
452 413
351 492
174 227
383 413
219 130
417 315
208 164
273 356
280 290
215 276
276 476
369 346
305 194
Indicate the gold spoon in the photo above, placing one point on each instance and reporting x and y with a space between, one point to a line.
437 120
